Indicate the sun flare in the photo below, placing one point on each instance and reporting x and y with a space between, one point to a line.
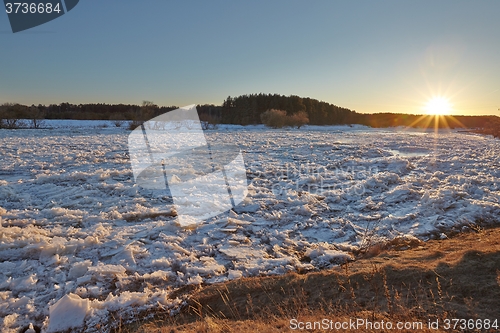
438 106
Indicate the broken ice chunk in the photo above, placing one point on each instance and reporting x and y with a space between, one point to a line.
69 312
108 269
79 269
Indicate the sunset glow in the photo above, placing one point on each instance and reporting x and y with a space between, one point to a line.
438 106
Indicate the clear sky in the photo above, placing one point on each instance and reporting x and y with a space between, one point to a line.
369 56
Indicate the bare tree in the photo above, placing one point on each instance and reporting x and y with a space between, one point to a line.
208 122
298 119
117 118
145 113
37 117
274 118
278 119
11 116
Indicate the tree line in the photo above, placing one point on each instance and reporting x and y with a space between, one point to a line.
91 111
247 109
241 110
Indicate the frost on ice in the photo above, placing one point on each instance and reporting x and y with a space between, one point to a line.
77 232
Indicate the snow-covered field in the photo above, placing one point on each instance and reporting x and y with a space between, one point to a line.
75 229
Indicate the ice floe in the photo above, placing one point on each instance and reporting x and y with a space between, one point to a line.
80 240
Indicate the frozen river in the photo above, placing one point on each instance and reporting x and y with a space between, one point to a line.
73 221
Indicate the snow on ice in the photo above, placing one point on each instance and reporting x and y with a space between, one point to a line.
79 240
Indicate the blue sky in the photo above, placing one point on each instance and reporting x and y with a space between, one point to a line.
370 56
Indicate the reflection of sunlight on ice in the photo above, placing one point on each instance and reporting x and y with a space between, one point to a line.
409 152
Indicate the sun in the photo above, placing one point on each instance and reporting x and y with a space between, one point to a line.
438 106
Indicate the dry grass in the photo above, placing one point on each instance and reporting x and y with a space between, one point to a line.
454 278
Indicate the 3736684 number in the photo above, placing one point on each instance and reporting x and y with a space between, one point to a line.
471 324
31 8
